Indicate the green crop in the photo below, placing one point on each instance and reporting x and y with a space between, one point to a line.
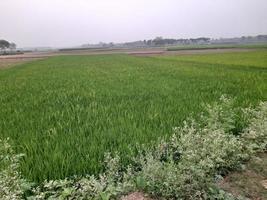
65 112
218 46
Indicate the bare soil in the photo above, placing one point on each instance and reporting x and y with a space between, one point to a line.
251 182
10 62
136 196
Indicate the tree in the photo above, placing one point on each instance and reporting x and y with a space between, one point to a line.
4 45
158 41
12 46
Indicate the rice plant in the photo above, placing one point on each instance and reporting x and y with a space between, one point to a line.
63 113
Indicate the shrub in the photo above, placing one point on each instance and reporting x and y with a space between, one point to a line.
12 186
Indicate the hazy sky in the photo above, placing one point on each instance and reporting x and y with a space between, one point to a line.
74 22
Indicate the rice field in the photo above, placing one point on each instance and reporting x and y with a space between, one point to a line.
65 112
217 46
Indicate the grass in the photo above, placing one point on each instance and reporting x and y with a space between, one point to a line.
255 59
65 112
218 46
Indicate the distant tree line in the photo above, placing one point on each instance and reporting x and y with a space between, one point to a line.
160 41
6 45
241 40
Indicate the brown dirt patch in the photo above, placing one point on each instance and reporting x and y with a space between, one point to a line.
136 196
6 63
251 182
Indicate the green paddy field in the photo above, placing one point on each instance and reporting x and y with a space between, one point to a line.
65 112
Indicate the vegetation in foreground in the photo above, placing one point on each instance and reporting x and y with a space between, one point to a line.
65 112
186 166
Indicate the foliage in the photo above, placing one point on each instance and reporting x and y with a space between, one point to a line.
186 166
4 44
194 156
108 185
12 186
255 137
95 104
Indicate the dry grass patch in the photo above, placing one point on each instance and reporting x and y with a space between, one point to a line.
10 62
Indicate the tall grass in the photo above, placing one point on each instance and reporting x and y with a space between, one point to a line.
188 165
65 112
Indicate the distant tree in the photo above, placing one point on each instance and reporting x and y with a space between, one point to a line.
12 46
262 37
144 42
149 42
4 45
158 41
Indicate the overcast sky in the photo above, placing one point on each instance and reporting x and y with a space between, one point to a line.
58 23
